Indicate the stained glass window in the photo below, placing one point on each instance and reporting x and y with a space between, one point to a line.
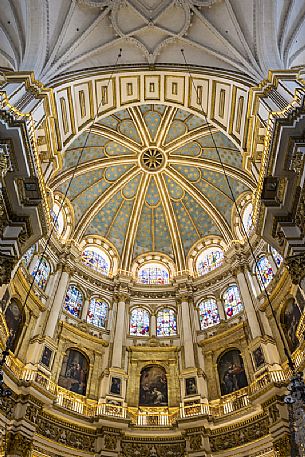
73 301
27 257
166 322
232 301
209 259
266 272
208 313
153 273
98 312
57 218
247 218
276 256
96 259
139 322
41 273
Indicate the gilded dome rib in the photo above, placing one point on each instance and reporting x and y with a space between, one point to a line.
172 223
211 210
101 201
139 122
134 222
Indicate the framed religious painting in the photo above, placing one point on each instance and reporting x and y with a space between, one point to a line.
46 357
258 357
190 386
115 386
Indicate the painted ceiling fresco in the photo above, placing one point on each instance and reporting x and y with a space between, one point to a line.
177 194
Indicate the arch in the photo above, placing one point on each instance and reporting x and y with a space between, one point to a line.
245 207
107 249
264 271
290 318
139 321
235 97
231 371
98 312
153 273
41 272
15 318
278 259
153 386
62 214
201 245
208 313
96 258
155 257
232 301
28 255
74 301
166 322
74 371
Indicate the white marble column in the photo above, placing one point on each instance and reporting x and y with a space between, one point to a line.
247 300
119 331
189 358
153 324
57 304
85 309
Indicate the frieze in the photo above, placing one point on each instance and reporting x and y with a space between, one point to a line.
18 445
221 440
153 449
282 446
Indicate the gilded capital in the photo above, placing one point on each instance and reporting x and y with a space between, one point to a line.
296 267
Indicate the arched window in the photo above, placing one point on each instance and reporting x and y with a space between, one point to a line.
98 312
264 271
96 259
41 272
27 257
74 372
278 259
57 218
231 371
208 313
14 320
166 322
247 218
153 273
209 259
73 301
232 301
139 322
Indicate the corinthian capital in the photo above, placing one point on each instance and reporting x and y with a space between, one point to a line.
296 267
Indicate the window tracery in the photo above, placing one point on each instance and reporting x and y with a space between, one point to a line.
57 218
264 271
208 313
96 259
278 259
232 301
27 257
166 322
153 273
41 272
247 218
73 301
210 259
139 322
98 312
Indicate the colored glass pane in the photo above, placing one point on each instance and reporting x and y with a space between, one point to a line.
41 273
247 218
209 259
97 313
166 322
139 322
27 257
208 313
276 256
73 301
264 271
57 218
232 301
96 259
153 273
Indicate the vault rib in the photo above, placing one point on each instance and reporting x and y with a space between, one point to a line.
171 222
138 120
164 125
101 201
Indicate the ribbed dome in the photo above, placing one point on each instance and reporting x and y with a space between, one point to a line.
150 180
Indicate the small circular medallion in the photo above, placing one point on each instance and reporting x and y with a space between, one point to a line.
152 160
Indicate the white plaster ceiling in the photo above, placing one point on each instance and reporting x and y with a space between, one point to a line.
52 37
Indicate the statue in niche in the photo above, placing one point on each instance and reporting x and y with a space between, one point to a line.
290 321
153 386
74 372
232 375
